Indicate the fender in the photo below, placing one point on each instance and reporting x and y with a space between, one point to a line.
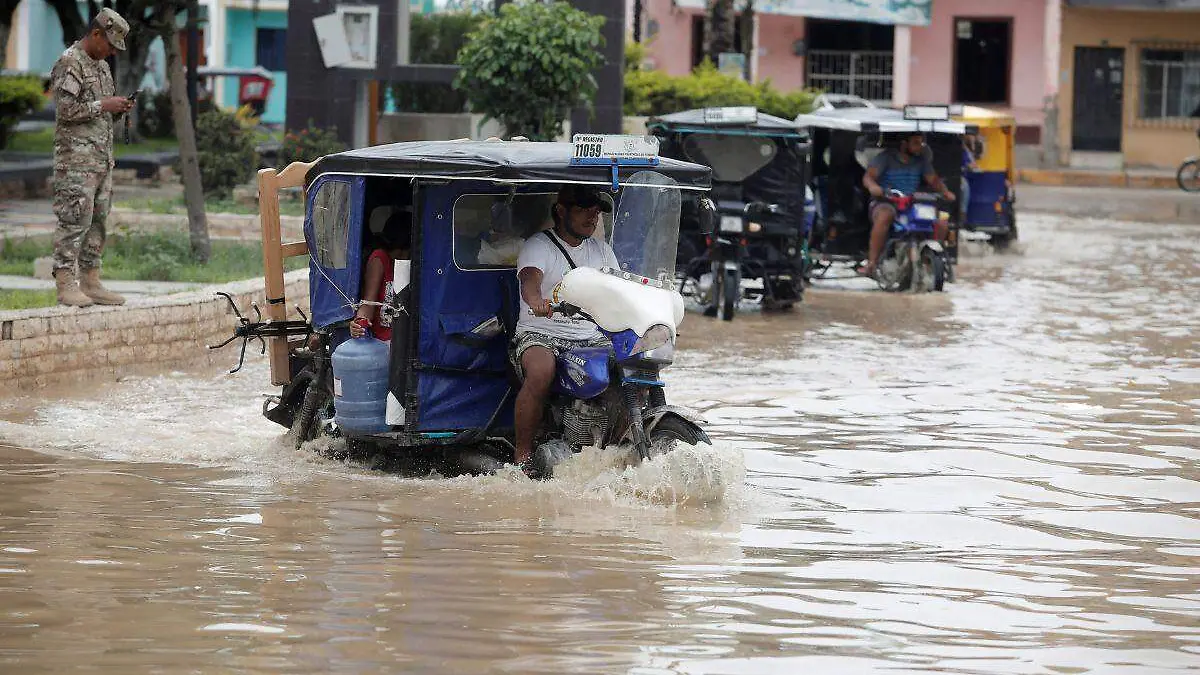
935 246
651 419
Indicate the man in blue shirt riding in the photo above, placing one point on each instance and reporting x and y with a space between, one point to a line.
900 168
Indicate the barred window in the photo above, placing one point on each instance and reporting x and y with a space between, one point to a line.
1170 83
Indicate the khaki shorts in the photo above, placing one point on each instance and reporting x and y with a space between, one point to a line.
556 345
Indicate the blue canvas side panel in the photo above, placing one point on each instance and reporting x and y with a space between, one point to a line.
328 285
986 188
452 302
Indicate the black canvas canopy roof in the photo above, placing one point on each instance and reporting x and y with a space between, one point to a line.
518 161
695 118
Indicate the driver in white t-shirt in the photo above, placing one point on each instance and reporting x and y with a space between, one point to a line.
545 258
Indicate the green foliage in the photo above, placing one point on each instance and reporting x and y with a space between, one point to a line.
41 141
635 54
435 38
308 144
19 94
653 92
22 299
155 118
160 256
226 149
529 66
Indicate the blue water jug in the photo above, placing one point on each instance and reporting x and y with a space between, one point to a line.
360 385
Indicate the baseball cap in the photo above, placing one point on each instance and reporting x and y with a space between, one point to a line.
115 28
585 197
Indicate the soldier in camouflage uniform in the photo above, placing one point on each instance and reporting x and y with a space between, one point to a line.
83 159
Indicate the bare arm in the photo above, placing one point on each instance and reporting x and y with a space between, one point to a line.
935 181
372 282
871 182
531 290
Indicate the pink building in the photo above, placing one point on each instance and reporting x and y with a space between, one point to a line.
1000 54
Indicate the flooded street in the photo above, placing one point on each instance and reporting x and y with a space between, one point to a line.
1004 478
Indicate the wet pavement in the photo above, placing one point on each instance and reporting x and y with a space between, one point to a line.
1004 478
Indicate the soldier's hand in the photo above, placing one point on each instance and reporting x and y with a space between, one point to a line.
115 104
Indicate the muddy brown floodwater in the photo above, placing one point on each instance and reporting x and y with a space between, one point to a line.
1003 478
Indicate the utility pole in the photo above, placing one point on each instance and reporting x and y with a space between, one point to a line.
637 21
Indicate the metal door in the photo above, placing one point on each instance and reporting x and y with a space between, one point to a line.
1099 87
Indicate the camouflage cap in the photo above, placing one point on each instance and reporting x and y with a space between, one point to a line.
115 28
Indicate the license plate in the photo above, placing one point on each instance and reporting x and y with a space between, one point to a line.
731 223
613 146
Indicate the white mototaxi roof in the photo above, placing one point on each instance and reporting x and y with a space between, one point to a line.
883 120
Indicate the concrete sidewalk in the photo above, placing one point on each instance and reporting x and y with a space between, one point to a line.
1131 204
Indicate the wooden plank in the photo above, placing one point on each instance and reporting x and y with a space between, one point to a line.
268 217
291 176
294 249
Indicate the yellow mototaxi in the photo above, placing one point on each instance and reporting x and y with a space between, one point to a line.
990 206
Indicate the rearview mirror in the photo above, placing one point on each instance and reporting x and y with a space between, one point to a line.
708 216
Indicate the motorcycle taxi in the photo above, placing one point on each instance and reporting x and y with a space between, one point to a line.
760 170
441 391
990 194
844 142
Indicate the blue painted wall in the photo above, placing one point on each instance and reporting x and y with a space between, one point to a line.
241 30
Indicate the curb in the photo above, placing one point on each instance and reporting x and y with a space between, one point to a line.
1080 178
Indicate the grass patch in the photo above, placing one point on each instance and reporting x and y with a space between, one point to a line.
42 141
21 299
155 257
176 205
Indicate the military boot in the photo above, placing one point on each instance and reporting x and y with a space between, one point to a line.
68 289
89 282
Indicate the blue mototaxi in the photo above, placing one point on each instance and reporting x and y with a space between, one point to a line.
449 384
760 169
844 140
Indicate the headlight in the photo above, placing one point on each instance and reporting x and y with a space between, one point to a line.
731 223
657 336
926 212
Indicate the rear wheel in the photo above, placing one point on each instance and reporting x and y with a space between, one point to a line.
316 398
1188 176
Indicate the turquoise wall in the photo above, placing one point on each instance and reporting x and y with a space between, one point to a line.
241 51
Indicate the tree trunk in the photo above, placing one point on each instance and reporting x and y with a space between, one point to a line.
189 158
748 46
72 23
5 29
718 29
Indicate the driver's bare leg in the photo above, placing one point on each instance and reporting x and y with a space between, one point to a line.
537 362
881 223
941 230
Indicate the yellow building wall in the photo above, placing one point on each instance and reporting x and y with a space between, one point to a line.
1144 143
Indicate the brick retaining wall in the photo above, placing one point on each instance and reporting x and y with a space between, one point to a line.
55 344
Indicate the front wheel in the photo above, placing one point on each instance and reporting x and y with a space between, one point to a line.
667 434
725 294
1188 176
933 270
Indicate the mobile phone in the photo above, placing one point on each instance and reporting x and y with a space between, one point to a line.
134 95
